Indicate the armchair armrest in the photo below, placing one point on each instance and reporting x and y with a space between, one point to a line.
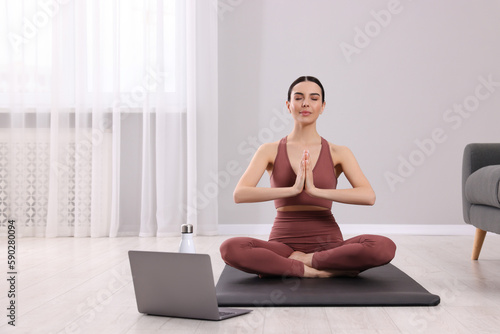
476 156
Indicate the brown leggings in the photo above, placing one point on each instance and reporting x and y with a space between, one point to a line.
309 232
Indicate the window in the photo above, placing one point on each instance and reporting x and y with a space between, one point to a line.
105 48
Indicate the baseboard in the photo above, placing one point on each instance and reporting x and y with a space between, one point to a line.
355 229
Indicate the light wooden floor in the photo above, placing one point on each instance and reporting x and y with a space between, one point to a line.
71 285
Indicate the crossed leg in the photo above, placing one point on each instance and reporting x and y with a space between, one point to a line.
346 258
260 257
358 253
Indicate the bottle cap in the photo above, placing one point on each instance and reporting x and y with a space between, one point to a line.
186 228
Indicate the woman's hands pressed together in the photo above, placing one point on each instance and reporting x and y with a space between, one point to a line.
246 190
304 180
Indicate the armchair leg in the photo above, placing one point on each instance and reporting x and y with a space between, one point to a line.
478 243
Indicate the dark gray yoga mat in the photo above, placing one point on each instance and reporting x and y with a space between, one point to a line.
381 286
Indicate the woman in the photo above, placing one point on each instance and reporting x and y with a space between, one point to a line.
305 240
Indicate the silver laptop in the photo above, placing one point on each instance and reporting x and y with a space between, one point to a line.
176 285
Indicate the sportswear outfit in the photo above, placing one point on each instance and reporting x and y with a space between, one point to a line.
306 231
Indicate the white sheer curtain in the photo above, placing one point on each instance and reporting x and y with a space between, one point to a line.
108 117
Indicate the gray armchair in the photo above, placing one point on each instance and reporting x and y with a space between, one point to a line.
481 191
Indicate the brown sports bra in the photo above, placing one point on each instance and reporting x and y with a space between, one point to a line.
284 176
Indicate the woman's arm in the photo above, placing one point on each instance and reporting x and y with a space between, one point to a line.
246 190
361 192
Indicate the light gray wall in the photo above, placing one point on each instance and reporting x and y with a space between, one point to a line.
401 87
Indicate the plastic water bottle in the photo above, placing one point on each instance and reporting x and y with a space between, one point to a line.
187 244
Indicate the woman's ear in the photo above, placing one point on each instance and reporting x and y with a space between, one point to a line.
323 107
288 106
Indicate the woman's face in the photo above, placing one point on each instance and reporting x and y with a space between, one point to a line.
305 102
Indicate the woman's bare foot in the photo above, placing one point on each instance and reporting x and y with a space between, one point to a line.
302 257
309 271
315 273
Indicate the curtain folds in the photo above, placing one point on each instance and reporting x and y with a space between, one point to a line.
108 117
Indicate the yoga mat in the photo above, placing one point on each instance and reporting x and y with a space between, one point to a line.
381 286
